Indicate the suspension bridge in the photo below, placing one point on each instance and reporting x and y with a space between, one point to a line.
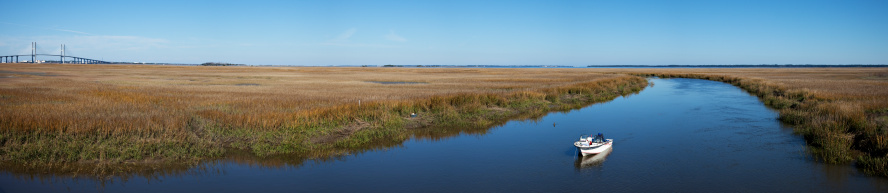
63 59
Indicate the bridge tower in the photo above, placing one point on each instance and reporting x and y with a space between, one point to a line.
62 56
33 52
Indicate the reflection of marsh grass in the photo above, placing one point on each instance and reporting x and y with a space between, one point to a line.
839 111
112 114
585 162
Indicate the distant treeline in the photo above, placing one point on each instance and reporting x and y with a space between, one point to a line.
220 64
473 66
743 66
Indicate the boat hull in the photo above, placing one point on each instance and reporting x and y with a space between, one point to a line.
595 148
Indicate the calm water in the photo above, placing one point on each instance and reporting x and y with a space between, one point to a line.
681 135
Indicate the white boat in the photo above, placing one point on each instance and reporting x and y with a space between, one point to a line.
591 145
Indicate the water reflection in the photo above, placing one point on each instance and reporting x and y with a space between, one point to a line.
586 162
107 174
433 133
841 177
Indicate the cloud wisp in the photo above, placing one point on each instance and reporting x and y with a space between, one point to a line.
344 40
54 29
344 36
72 31
392 36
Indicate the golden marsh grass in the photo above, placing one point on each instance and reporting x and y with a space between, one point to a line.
122 113
128 98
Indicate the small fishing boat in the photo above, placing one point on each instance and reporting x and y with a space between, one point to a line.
593 144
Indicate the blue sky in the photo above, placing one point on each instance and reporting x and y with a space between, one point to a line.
576 33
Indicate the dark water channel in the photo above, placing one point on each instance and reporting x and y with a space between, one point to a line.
681 135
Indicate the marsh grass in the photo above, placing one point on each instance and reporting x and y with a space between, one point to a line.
118 114
52 116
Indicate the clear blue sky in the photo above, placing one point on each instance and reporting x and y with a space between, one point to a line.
575 33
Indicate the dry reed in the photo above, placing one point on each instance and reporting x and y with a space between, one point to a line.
125 113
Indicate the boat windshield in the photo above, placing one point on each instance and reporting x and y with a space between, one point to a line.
599 138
